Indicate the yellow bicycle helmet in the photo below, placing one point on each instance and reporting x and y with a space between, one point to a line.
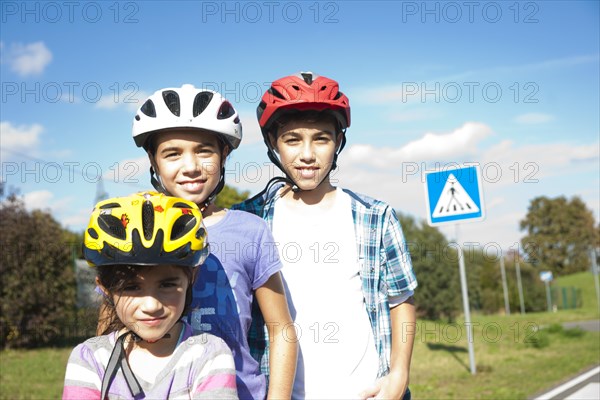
146 228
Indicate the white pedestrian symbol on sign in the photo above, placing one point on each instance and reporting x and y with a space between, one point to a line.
454 200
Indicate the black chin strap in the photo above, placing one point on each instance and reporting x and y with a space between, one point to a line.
270 184
118 360
288 179
156 183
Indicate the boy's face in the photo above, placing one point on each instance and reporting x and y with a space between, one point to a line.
152 302
306 150
188 163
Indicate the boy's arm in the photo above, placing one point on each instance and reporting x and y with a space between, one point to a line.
394 384
282 337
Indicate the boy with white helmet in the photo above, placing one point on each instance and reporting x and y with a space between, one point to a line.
349 279
188 133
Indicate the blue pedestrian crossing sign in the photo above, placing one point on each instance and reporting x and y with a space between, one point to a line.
454 195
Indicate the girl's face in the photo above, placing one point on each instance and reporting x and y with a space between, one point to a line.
152 302
188 163
306 150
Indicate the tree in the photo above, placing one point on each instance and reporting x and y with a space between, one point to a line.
37 295
230 196
559 234
436 267
485 287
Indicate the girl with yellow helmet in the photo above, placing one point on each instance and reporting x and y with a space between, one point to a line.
146 249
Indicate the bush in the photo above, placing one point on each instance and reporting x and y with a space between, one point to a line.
538 339
573 332
555 328
435 266
37 295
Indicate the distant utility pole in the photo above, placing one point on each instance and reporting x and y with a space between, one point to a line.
519 285
504 287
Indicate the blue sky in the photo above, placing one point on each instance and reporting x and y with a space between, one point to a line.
511 86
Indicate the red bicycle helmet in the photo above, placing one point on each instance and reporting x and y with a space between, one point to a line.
299 92
303 91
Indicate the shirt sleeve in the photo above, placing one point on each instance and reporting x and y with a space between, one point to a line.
399 274
267 257
215 378
82 379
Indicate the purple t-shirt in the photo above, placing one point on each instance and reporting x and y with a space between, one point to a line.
243 257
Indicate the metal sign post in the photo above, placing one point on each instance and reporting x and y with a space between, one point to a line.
465 299
504 286
520 286
453 196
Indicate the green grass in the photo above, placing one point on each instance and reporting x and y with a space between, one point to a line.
516 356
584 281
32 374
514 360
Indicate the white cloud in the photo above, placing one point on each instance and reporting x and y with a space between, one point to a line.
512 175
534 118
461 142
60 209
250 127
21 137
44 200
27 59
38 200
78 220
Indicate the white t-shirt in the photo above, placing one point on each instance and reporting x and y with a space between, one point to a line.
338 358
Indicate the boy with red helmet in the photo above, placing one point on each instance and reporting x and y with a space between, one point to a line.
356 322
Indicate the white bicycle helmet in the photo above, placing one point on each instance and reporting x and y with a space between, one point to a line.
187 107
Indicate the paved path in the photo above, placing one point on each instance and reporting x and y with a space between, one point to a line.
583 387
593 325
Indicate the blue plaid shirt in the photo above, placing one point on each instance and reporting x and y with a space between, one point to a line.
386 267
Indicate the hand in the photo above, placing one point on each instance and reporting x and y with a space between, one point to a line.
392 387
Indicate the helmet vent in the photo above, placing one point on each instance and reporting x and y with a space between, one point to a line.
112 225
338 95
171 99
236 120
92 232
183 225
110 205
296 87
225 111
180 205
148 219
276 93
308 78
323 87
149 109
201 102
